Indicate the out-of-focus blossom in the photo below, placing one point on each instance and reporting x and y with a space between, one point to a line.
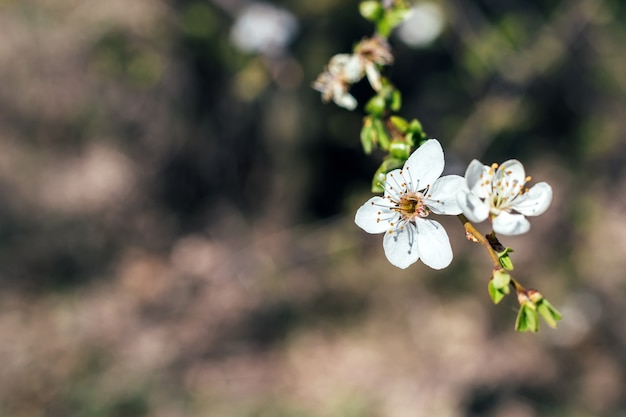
500 194
343 70
423 26
334 83
263 28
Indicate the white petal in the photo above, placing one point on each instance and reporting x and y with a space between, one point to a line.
394 184
472 207
400 246
478 177
441 197
424 166
345 100
374 216
354 69
373 76
535 201
510 224
512 172
433 244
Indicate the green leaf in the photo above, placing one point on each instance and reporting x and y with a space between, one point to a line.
400 123
396 100
550 314
400 149
505 259
495 294
501 280
506 262
381 137
527 319
367 136
376 105
371 10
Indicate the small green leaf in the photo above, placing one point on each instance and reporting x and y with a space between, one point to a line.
506 262
550 314
527 319
380 134
376 106
400 149
495 294
501 279
396 100
371 10
367 136
400 123
505 259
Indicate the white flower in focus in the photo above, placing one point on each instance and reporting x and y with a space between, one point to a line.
411 194
500 194
342 71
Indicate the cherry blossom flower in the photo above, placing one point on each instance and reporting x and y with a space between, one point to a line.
411 195
343 70
499 193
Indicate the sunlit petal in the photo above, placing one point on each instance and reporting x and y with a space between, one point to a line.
375 216
400 246
433 244
535 201
472 207
510 224
441 197
424 166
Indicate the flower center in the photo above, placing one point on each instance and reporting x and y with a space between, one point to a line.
411 205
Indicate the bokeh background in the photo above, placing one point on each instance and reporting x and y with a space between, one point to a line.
176 212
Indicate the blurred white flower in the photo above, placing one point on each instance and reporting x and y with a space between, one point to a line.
343 70
500 194
411 194
263 28
423 26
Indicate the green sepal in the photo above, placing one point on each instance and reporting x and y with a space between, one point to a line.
389 164
501 280
400 149
371 10
496 294
527 319
367 135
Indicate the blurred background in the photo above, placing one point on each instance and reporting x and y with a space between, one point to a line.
176 212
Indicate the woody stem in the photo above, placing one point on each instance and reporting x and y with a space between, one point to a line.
472 231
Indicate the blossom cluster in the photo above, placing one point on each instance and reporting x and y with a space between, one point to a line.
412 193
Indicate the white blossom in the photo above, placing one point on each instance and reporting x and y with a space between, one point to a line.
499 193
343 70
402 213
